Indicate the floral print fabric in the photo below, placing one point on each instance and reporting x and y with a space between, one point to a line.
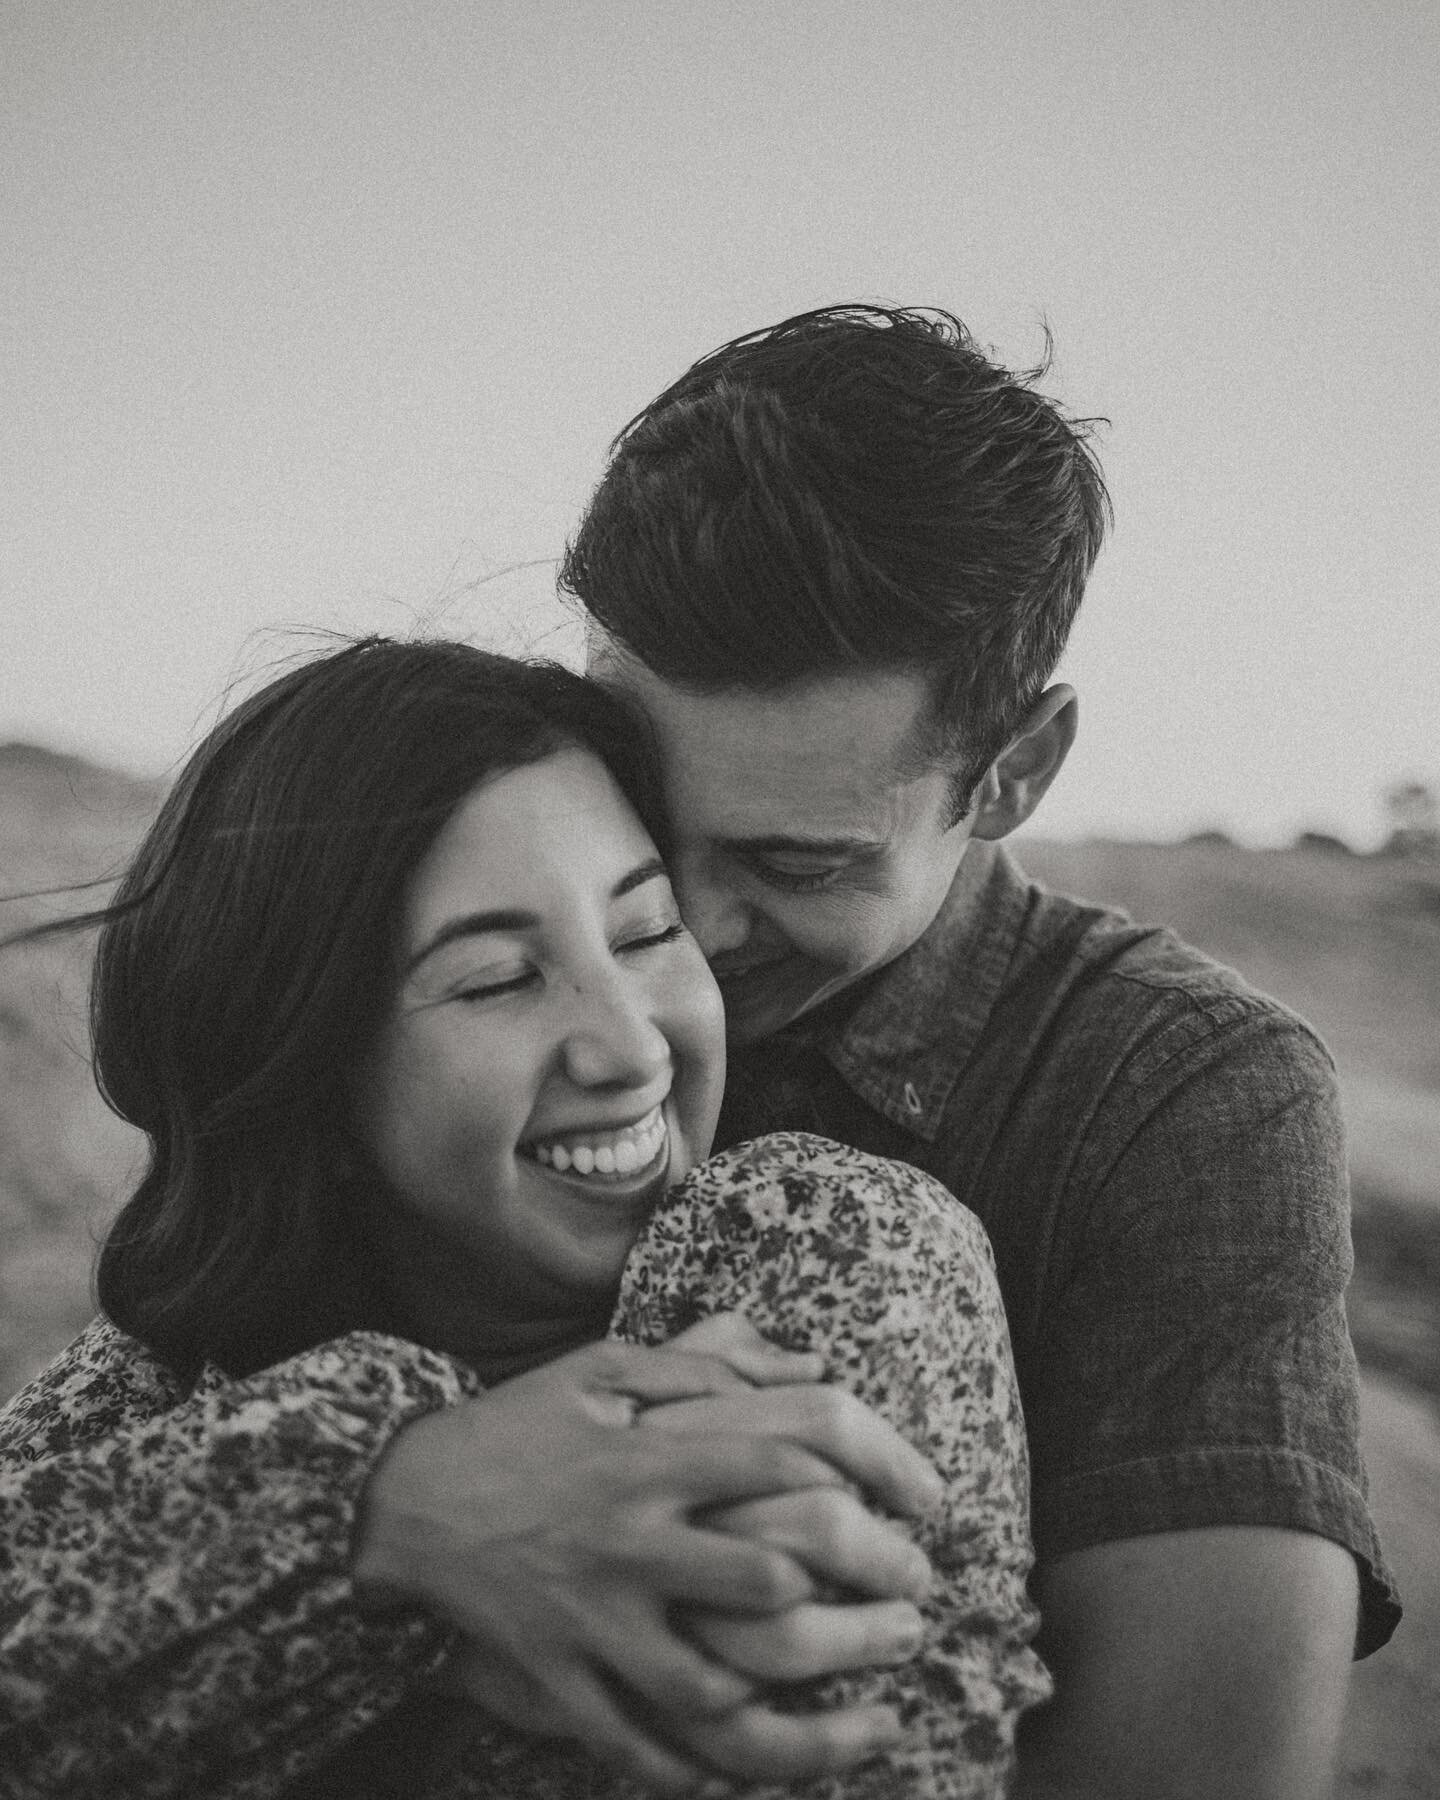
175 1611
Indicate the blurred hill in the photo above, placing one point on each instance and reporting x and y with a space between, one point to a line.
64 1158
1351 942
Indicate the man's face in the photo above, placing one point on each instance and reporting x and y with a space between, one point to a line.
807 852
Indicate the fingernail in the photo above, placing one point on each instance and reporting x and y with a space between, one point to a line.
907 1628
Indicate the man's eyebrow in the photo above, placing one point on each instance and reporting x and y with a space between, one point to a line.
789 843
475 924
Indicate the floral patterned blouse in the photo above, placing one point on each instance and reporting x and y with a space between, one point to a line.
176 1611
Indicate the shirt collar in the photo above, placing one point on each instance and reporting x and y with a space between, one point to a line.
909 1036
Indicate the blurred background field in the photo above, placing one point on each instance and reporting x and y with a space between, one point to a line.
1350 941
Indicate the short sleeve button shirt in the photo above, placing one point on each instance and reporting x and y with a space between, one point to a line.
1155 1150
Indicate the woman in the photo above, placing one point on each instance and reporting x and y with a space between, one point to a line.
397 989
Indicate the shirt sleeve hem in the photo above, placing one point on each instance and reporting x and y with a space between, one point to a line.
1223 1485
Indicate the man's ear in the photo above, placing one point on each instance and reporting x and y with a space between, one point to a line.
1015 783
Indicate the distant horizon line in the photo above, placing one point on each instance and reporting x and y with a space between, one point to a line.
1309 835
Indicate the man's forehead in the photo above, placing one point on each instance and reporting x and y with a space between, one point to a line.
829 759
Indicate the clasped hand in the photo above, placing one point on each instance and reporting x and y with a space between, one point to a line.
563 1545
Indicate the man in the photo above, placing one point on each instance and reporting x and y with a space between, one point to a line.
836 564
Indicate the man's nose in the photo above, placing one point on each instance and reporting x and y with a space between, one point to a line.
613 1041
717 918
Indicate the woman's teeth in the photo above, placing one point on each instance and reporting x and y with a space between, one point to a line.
614 1153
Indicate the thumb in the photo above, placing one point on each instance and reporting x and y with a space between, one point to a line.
730 1337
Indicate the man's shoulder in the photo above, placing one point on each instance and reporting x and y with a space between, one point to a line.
1094 971
1022 996
1119 1044
1121 1071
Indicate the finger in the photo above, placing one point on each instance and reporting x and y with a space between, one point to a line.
812 1639
732 1338
630 1640
649 1373
826 1420
756 1744
708 1467
639 1648
681 1371
836 1538
687 1564
596 1720
503 1689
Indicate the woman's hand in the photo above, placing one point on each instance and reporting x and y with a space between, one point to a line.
829 1531
558 1540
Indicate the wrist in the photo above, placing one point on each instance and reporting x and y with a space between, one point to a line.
393 1526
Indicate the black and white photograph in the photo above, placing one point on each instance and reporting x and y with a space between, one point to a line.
719 900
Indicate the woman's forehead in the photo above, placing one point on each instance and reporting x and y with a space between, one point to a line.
531 834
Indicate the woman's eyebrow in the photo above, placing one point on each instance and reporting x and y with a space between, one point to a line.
642 872
472 925
475 924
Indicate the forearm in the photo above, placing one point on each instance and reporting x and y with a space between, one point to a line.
1059 1759
1195 1665
177 1593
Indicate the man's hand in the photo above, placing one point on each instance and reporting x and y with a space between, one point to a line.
1192 1665
557 1538
835 1537
829 1531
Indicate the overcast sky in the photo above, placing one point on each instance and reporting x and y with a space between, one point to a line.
322 312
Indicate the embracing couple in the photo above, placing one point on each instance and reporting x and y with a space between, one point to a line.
484 1402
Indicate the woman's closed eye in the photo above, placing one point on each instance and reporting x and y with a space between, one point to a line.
511 978
490 985
652 938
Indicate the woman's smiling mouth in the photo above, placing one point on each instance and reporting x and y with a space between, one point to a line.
616 1155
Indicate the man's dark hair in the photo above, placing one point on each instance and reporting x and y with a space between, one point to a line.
856 489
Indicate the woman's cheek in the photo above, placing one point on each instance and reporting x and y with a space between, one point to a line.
696 1032
695 996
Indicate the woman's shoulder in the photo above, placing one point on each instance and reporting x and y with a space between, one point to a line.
800 1171
843 1223
102 1383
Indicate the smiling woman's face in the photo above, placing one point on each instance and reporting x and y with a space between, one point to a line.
554 1057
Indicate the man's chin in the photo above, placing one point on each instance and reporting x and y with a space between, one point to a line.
742 1029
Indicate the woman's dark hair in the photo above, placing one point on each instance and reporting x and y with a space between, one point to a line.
858 489
246 963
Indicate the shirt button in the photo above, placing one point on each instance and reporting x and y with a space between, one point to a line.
912 1099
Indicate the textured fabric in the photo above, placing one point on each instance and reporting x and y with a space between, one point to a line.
177 1614
175 1594
1155 1151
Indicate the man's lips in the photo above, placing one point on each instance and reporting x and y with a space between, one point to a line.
727 972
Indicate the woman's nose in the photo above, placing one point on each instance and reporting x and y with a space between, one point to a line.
613 1040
